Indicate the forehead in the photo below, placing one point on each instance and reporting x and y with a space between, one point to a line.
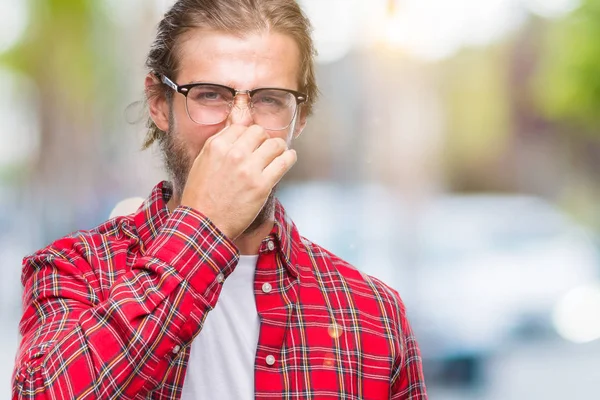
263 59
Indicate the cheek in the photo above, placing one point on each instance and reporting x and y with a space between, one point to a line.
193 136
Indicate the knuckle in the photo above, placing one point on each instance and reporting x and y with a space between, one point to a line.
264 135
246 175
278 145
280 142
283 146
238 129
281 164
210 142
235 155
260 134
215 144
256 128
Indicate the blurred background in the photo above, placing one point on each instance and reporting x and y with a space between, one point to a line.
454 154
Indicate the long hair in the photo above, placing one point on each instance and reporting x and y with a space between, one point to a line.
237 17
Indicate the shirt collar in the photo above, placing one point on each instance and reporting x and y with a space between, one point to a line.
286 238
153 213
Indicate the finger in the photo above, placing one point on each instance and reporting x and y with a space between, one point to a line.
279 167
230 133
251 139
268 151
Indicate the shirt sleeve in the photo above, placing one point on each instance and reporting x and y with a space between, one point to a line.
76 346
408 382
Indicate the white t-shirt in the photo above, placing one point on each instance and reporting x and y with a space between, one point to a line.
221 364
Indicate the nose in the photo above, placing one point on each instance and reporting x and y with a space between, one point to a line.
240 111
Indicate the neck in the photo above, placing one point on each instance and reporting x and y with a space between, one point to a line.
248 243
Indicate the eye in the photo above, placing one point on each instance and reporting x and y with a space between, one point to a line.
271 98
267 100
209 94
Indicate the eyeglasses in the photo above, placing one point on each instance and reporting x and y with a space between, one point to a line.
210 104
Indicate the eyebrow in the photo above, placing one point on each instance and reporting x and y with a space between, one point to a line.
193 82
232 86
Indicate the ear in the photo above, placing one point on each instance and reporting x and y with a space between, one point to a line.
301 123
157 104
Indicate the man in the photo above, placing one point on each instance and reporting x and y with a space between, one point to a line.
208 291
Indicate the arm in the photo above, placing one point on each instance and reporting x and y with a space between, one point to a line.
75 346
408 382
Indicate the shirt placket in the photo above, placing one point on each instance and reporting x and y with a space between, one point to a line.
275 295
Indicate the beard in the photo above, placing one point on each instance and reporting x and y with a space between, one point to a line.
178 164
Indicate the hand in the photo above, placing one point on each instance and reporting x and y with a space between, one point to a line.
234 174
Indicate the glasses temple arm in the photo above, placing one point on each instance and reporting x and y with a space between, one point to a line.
169 83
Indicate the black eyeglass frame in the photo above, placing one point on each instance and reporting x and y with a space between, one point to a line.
185 90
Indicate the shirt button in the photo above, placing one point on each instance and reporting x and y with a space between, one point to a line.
220 278
270 359
270 245
266 287
176 349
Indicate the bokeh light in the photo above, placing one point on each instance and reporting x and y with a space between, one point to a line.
577 314
13 22
126 207
334 23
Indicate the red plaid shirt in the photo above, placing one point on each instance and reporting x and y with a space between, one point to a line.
111 313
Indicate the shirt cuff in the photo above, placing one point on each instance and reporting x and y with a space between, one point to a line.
197 250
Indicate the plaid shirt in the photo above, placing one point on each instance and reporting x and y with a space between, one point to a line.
111 314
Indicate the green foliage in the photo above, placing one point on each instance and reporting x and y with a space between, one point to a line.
57 50
477 100
567 86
